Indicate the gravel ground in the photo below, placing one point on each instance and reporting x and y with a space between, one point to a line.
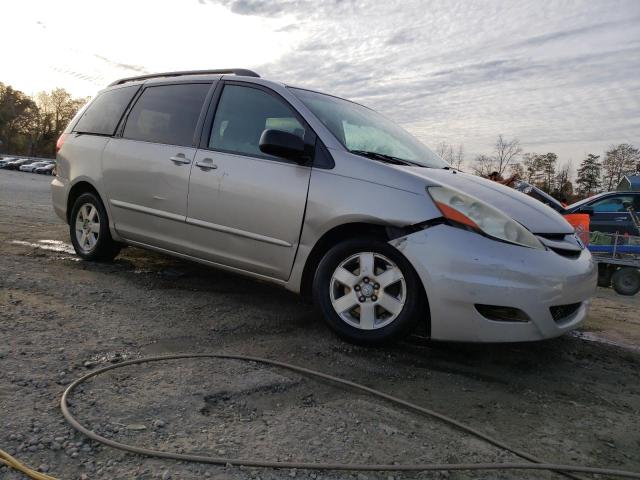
574 399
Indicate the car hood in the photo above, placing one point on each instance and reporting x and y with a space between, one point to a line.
536 216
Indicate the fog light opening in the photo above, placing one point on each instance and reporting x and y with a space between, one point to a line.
499 313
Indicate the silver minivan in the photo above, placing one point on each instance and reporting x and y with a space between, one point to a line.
323 196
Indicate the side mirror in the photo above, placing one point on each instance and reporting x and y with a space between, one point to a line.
586 209
282 144
627 205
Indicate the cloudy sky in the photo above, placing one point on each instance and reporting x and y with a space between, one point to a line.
562 76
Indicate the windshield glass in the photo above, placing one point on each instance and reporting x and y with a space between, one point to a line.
360 129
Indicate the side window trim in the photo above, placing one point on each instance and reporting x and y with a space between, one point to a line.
122 116
125 116
194 143
212 110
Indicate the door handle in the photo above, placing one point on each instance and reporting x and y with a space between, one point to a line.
180 159
206 164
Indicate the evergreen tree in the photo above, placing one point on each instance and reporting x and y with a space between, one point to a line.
589 175
548 170
532 166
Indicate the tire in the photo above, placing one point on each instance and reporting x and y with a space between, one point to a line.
393 294
89 217
626 280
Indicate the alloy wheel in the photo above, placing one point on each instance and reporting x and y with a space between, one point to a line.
87 227
368 291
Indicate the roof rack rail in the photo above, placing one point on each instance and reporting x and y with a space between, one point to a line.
235 71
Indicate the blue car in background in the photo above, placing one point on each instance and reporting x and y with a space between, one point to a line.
609 211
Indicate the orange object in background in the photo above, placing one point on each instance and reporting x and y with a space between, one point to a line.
580 221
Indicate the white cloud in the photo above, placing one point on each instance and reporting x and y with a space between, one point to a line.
84 45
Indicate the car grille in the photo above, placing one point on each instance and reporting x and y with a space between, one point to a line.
564 245
565 252
562 313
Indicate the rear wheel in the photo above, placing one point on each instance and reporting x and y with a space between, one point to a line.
626 280
89 229
368 291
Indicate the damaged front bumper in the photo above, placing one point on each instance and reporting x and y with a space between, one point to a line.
461 269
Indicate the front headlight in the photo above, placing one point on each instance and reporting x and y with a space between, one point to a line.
474 214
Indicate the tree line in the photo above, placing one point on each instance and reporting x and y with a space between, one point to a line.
31 126
594 174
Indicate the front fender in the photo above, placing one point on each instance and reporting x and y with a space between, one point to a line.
336 200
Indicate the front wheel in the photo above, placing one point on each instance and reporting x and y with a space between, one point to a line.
89 230
368 291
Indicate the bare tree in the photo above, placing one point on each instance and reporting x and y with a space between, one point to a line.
444 150
518 170
458 158
483 165
563 187
505 152
454 156
619 161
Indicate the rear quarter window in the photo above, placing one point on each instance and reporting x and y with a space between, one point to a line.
167 114
103 114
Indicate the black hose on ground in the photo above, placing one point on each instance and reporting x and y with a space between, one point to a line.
536 465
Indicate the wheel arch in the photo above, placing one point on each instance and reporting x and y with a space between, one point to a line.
81 186
348 231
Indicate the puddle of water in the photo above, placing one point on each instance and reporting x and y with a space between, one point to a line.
592 337
51 245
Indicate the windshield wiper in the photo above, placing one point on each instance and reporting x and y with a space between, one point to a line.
385 158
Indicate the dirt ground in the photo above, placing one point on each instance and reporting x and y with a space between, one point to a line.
575 399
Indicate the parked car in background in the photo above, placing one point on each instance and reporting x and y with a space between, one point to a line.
4 161
9 165
16 164
30 167
610 211
48 169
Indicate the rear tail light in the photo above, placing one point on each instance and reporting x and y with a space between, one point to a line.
60 141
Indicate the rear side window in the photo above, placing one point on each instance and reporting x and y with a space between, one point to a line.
167 114
243 114
104 113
